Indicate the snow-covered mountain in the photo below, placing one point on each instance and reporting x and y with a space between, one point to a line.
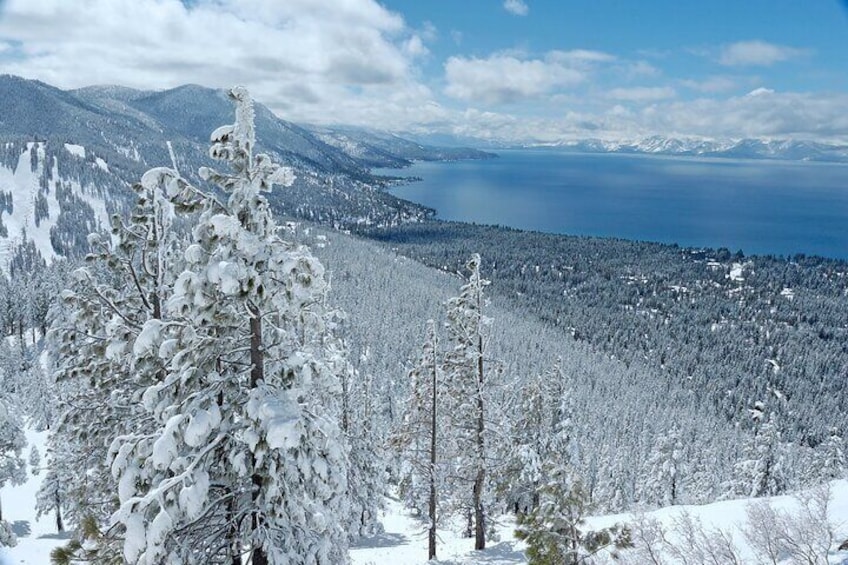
781 149
68 159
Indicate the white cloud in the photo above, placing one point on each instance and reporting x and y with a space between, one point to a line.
764 114
642 69
509 77
771 115
642 93
312 61
757 53
356 62
761 91
504 78
516 7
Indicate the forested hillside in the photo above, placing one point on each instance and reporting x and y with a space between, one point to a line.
222 381
68 159
726 330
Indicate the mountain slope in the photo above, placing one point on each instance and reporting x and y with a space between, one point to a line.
117 133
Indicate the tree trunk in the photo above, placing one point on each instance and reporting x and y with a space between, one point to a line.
257 374
479 521
60 527
431 552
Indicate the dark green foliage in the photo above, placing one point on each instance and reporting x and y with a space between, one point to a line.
555 530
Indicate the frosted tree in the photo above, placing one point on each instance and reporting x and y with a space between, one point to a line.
540 441
469 391
829 458
247 462
12 466
34 460
760 472
365 472
419 441
107 304
665 469
49 497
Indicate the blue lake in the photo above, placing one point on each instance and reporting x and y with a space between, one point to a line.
760 207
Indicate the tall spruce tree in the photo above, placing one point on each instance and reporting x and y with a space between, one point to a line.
247 462
469 392
420 438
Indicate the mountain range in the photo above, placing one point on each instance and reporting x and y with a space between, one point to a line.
69 157
746 148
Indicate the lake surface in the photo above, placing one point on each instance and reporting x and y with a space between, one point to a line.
760 207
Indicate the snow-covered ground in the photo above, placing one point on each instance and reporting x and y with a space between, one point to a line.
36 537
404 541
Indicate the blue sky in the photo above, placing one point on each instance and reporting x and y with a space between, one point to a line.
676 36
515 70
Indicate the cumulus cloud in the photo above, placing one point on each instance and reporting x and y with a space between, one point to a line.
516 7
505 77
757 53
763 114
768 114
350 53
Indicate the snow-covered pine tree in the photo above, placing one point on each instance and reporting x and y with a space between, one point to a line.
829 458
247 462
12 465
469 395
760 471
665 470
420 440
34 460
365 472
104 310
540 437
49 497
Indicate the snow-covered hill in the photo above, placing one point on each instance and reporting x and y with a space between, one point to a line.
404 540
51 194
66 151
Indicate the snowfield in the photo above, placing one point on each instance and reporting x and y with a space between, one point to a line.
404 541
36 537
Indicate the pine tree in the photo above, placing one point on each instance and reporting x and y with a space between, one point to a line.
12 466
34 460
829 458
49 496
365 474
540 438
105 308
666 462
420 437
555 530
468 395
247 458
760 472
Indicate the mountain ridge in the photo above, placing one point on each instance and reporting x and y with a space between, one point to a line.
683 146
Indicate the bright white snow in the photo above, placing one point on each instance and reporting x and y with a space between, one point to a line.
404 541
